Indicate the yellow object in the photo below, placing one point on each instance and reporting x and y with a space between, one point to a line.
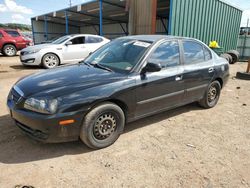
214 44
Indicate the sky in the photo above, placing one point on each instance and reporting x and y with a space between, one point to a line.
20 11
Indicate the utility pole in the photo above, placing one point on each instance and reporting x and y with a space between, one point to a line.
70 3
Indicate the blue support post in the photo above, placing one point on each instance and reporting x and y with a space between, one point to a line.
66 22
100 17
46 27
170 17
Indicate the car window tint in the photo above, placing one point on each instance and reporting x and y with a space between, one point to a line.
12 33
78 40
193 52
207 54
1 35
93 40
167 54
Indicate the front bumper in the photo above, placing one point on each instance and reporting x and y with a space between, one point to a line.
46 128
30 59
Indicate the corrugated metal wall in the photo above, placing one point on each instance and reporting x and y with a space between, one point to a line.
54 30
206 20
110 30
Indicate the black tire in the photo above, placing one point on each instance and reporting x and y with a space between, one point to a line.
9 50
211 96
50 61
235 55
95 131
228 57
243 75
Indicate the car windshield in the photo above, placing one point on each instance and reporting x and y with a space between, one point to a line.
119 55
61 40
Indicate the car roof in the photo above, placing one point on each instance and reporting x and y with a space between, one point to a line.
154 38
84 35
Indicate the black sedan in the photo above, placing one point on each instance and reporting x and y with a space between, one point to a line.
127 79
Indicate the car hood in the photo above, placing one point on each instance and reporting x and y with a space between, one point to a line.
60 81
39 47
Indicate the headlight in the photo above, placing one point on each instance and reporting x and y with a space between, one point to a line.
45 106
32 51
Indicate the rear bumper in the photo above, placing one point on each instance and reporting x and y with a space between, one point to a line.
46 128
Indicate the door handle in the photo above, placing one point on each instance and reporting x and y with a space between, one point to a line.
210 70
178 78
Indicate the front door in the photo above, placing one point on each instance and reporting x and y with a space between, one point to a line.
164 89
76 51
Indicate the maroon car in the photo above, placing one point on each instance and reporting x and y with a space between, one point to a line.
12 41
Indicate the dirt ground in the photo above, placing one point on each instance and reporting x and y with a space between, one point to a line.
185 147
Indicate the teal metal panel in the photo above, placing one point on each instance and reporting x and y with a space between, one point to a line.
206 20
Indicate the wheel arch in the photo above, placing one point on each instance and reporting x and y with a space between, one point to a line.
117 102
220 80
9 43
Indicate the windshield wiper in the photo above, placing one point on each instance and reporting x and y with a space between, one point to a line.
101 66
85 63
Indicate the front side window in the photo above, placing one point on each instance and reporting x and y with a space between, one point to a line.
193 52
119 55
167 54
78 40
12 33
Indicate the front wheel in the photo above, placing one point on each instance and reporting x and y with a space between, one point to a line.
9 50
211 96
102 126
50 61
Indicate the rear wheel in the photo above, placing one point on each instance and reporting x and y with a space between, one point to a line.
211 96
9 50
50 61
102 126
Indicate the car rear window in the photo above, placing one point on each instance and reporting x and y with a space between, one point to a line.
12 33
93 40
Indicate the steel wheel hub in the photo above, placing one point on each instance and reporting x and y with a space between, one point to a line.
104 126
212 94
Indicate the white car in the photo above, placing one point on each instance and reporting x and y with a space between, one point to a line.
66 49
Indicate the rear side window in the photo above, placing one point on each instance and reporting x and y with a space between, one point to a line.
167 54
12 33
207 54
93 40
78 40
193 52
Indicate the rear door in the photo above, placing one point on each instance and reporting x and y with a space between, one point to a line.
76 51
92 43
198 69
165 89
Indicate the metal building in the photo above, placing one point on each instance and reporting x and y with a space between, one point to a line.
202 19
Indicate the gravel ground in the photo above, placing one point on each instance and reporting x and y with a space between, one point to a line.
185 147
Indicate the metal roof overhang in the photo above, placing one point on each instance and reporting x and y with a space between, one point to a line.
88 14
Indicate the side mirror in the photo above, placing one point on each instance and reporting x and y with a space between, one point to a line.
151 67
68 43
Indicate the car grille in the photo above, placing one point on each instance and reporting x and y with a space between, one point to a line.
16 95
